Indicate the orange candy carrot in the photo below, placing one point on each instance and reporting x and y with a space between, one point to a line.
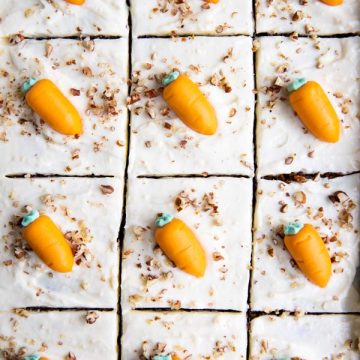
75 2
165 357
314 109
45 98
47 241
332 2
180 245
189 103
309 252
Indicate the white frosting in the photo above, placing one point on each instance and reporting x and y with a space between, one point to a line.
74 204
280 134
225 283
55 334
59 18
204 335
316 337
156 150
276 16
28 148
276 284
162 17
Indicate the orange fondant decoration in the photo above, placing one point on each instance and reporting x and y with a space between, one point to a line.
316 112
310 254
75 2
44 358
182 247
190 105
213 1
174 357
45 98
332 2
48 242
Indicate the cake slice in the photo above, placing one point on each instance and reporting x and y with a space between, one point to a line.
310 337
307 17
218 212
58 334
283 144
37 18
192 17
195 335
88 213
161 144
332 207
92 74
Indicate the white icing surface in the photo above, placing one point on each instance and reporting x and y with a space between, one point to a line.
75 204
29 147
276 16
276 284
162 17
319 337
156 150
225 283
62 332
184 333
59 18
280 133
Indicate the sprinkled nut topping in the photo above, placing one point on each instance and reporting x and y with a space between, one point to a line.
91 317
70 356
106 189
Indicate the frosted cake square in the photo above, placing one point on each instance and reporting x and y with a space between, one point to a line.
218 210
307 17
332 207
310 337
195 335
88 212
93 75
283 144
58 335
161 144
158 17
35 18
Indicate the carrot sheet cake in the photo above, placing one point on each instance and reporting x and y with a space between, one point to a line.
88 212
136 138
